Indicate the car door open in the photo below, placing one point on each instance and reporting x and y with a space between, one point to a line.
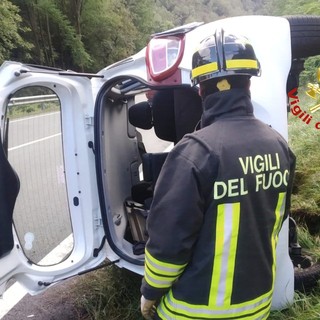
49 206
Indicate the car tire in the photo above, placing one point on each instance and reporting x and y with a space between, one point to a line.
305 36
306 279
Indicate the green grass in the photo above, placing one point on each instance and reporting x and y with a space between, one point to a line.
310 244
112 294
21 111
304 140
305 307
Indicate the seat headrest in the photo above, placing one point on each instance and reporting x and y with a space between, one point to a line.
140 115
163 115
172 113
188 110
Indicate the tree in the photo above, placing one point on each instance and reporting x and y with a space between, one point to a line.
108 32
56 42
292 7
11 41
310 73
90 34
143 15
181 12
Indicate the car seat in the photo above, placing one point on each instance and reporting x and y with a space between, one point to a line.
172 113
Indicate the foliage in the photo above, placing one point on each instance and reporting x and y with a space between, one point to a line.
90 34
142 13
182 12
108 37
293 7
310 73
32 109
55 40
11 32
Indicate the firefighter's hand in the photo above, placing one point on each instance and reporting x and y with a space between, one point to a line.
148 308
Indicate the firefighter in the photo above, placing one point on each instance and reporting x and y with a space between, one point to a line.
220 200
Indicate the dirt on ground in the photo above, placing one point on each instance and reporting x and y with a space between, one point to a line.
57 303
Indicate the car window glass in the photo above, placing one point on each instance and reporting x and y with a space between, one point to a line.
41 214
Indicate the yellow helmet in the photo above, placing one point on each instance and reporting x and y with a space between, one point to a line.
224 54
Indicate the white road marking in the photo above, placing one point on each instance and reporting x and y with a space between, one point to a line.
35 141
16 292
11 297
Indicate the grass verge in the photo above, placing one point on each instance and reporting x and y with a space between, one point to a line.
304 139
110 294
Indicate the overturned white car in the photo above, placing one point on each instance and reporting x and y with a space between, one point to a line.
81 153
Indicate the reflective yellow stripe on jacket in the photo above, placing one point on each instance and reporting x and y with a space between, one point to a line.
159 274
225 254
219 306
280 209
256 309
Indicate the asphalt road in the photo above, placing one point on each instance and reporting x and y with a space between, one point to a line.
41 214
57 303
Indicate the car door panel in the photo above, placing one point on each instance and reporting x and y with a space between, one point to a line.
75 173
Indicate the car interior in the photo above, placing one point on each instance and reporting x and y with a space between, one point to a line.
128 172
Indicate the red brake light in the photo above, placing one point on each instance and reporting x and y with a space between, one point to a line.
163 56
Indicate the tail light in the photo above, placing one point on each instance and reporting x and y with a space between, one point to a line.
163 56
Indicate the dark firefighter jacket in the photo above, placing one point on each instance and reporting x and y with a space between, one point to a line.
217 211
